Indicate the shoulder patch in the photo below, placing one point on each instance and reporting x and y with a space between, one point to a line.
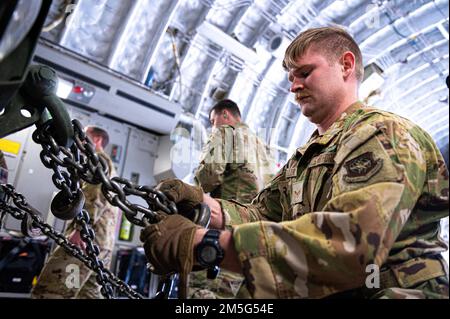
362 168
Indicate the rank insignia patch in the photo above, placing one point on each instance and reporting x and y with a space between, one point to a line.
362 168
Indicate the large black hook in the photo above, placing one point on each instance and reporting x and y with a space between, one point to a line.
40 86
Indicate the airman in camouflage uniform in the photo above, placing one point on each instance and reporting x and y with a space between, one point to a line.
63 275
354 213
235 164
377 186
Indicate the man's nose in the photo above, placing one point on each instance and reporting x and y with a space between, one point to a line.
296 86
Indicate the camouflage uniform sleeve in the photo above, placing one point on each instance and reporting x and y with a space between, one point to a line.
213 163
379 175
266 206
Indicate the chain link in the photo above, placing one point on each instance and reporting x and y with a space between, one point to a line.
107 279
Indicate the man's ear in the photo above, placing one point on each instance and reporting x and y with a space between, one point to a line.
225 115
348 64
97 140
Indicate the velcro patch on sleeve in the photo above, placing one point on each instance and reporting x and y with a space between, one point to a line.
362 168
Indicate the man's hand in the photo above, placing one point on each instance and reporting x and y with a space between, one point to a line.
184 195
169 244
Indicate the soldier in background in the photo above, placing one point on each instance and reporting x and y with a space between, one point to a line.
3 169
235 165
64 276
355 213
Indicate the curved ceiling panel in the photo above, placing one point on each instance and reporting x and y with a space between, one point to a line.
224 14
336 11
189 14
195 70
56 19
377 16
144 28
175 43
88 31
397 31
243 90
298 14
247 82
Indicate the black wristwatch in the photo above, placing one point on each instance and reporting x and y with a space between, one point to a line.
209 254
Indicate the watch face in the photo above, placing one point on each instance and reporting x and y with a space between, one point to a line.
208 254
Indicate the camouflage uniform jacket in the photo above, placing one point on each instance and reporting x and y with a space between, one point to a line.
370 191
103 215
235 164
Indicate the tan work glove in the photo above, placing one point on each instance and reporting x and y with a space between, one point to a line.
184 195
169 247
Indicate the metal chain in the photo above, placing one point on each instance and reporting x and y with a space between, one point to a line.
20 212
88 236
81 161
49 157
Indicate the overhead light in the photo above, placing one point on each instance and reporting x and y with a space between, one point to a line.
373 80
230 44
64 88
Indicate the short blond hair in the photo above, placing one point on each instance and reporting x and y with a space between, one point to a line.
332 41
